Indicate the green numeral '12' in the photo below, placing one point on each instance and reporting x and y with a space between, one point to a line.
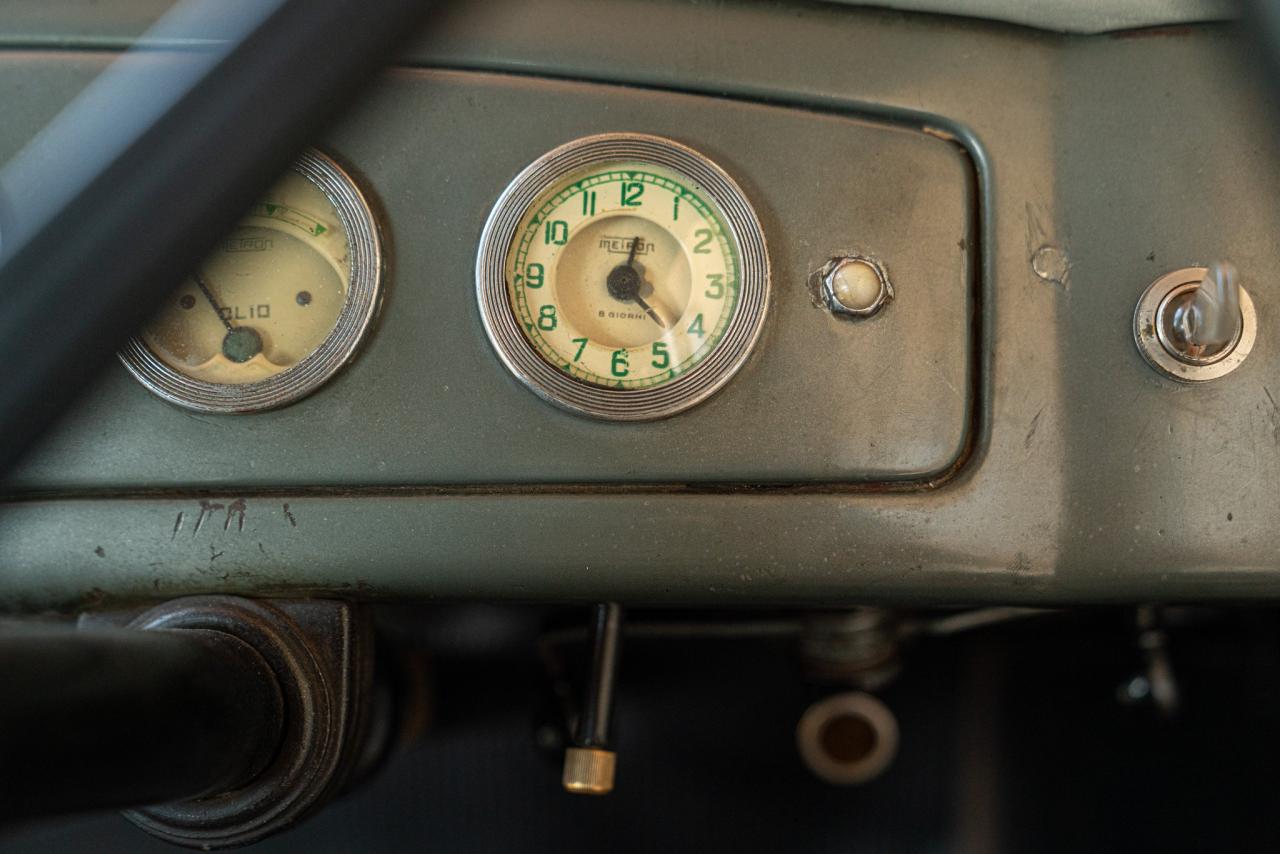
631 194
582 345
695 328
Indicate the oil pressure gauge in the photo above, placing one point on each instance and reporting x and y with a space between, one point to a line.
279 306
623 276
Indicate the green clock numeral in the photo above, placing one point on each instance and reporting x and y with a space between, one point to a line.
703 246
582 345
618 367
589 203
675 209
547 318
631 194
534 275
557 232
661 358
715 289
695 328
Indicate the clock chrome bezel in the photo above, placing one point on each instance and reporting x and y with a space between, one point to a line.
364 253
618 404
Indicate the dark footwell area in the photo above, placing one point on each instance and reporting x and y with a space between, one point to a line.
1039 734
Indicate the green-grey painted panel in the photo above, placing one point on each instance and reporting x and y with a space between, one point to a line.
427 402
1095 480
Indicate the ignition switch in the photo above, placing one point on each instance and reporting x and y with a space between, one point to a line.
1196 324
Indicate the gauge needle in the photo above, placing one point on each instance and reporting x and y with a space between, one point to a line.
241 343
208 294
624 284
631 262
649 311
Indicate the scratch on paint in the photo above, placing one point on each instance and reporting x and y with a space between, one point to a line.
177 524
206 510
235 507
1035 425
289 516
1275 415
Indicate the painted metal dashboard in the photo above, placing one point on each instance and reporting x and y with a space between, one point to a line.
426 402
994 437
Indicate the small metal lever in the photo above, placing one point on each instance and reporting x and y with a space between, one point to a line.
1203 322
1196 323
590 762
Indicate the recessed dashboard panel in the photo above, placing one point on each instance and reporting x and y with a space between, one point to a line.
820 398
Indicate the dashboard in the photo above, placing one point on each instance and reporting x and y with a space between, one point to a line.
990 434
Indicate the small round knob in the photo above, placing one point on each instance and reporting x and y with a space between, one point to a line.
589 770
848 739
855 286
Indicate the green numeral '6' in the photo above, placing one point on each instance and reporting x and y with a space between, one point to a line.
619 366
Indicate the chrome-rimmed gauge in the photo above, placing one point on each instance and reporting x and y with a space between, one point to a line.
277 308
623 276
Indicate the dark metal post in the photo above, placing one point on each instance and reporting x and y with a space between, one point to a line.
597 711
117 717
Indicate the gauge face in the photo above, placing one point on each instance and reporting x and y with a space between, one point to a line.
623 276
278 306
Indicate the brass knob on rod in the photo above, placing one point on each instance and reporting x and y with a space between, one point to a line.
590 763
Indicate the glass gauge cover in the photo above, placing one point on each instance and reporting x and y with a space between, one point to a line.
623 276
277 308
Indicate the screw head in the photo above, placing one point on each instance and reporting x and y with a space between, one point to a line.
855 286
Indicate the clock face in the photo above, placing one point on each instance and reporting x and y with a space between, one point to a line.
623 277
